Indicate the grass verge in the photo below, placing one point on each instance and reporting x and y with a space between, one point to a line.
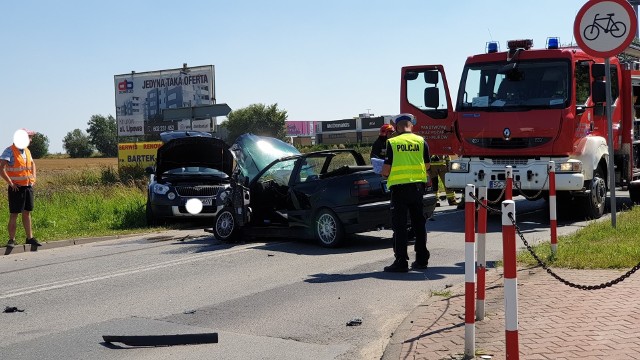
88 203
596 246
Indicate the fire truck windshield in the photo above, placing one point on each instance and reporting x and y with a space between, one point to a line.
515 86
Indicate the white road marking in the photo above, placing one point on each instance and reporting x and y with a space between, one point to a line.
89 279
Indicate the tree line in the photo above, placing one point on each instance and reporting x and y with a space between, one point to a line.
101 134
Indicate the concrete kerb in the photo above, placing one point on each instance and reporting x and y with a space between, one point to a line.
22 248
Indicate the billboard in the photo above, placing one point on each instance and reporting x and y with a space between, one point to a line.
141 98
138 154
300 128
339 125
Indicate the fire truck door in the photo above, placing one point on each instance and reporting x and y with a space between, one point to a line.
425 94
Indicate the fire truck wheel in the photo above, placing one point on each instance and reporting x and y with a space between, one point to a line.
595 202
634 191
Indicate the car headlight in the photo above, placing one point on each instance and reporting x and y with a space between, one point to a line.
458 166
569 167
171 196
160 189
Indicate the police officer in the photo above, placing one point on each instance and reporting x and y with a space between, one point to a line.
405 168
439 167
379 147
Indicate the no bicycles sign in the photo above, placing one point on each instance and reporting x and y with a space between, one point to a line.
604 28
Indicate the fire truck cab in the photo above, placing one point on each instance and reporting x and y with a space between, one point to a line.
524 107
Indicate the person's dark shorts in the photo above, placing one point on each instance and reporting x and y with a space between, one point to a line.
20 200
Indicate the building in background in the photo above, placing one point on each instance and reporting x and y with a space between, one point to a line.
363 129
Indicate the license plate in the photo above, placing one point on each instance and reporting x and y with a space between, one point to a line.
205 201
500 184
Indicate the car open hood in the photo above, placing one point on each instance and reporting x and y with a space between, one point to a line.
253 153
194 151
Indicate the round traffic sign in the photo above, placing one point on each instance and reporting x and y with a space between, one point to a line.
605 28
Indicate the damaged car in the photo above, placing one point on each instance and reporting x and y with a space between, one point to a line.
189 165
277 191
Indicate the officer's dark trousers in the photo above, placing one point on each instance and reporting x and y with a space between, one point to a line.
408 197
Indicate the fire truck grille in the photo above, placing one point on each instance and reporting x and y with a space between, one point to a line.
514 143
509 161
201 190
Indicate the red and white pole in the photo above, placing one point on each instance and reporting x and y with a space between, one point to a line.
510 280
508 193
553 215
469 272
482 262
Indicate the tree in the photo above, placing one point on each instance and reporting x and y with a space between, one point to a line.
258 119
77 144
39 146
103 134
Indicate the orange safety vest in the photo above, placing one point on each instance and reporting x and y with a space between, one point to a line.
21 173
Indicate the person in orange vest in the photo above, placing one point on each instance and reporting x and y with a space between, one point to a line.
19 171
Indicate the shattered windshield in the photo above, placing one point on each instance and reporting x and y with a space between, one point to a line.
522 84
253 153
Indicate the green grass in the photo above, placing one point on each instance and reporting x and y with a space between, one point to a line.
83 204
596 246
443 293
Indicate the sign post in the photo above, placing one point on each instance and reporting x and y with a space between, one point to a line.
604 28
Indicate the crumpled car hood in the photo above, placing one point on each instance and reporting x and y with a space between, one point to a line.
194 151
253 153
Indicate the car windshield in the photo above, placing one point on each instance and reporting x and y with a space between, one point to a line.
514 86
253 153
195 170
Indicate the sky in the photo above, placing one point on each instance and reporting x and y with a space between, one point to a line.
318 60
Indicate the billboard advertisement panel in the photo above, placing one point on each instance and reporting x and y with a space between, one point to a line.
138 154
339 125
300 128
141 97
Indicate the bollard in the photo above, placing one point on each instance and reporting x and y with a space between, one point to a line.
469 271
508 193
553 215
482 263
510 280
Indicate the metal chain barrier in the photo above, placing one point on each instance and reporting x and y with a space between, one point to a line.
566 282
517 185
479 202
499 197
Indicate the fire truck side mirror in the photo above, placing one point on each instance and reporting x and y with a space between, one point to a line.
431 97
410 75
597 70
431 77
598 91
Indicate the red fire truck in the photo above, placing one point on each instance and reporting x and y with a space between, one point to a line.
525 107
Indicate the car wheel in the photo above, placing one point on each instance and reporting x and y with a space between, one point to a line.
595 201
225 227
328 229
152 220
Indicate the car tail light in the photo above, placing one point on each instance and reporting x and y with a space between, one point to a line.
360 188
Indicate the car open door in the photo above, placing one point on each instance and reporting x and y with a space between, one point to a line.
425 94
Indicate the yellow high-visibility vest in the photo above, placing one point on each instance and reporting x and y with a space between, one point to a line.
408 160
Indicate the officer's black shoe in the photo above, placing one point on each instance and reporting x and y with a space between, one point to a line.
419 266
11 244
397 266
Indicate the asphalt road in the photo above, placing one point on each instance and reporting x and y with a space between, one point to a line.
275 299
